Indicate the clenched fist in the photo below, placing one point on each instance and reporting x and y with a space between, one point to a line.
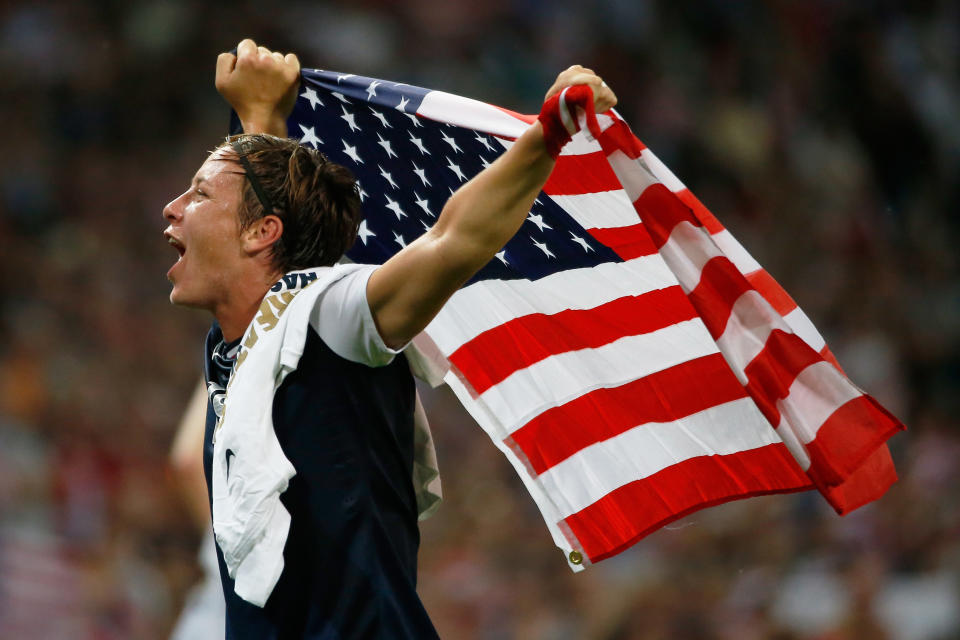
260 85
603 97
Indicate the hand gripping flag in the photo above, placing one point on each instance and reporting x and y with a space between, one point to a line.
623 350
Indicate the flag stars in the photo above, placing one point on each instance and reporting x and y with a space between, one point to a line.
580 241
386 176
372 89
538 220
402 107
453 143
423 204
502 257
484 161
395 207
426 227
344 76
311 96
399 239
310 137
419 143
414 119
422 174
482 139
382 118
351 151
339 96
456 169
543 247
361 192
350 118
364 232
386 146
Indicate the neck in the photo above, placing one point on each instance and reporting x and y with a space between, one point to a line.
236 314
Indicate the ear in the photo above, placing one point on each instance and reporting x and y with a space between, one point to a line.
262 234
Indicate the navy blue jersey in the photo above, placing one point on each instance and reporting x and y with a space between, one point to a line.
350 561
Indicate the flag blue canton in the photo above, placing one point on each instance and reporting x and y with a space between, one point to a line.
407 166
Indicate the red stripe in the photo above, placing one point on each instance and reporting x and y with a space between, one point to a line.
848 437
720 286
628 242
579 174
619 137
632 511
665 396
496 353
771 290
870 481
661 211
774 369
703 215
529 119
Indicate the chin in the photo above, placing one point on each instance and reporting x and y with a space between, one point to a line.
182 299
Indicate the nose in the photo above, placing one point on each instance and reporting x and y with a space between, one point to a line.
174 209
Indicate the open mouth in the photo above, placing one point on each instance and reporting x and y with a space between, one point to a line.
175 243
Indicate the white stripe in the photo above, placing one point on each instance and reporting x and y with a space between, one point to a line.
732 248
601 210
605 121
580 144
794 446
689 248
595 471
632 175
686 251
660 170
489 303
815 394
560 378
565 117
473 114
802 326
748 327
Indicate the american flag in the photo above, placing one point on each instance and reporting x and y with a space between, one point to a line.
623 350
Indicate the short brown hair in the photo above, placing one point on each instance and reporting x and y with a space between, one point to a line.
317 200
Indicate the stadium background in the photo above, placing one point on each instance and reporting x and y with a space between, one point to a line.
824 134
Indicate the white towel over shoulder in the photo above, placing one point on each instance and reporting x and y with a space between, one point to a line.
250 471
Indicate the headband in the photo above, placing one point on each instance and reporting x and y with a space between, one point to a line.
241 148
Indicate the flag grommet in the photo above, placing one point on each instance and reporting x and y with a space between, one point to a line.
576 557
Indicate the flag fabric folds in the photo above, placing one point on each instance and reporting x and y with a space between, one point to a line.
623 350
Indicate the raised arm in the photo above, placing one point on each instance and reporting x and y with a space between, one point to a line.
408 290
260 85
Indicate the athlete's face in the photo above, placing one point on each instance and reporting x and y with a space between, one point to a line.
204 228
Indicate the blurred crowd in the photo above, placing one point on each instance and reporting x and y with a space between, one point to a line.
824 134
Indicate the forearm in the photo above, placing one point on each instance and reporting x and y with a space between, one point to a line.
487 211
272 124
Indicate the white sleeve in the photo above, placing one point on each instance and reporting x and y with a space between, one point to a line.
343 320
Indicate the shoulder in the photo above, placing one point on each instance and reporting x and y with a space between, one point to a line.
343 320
